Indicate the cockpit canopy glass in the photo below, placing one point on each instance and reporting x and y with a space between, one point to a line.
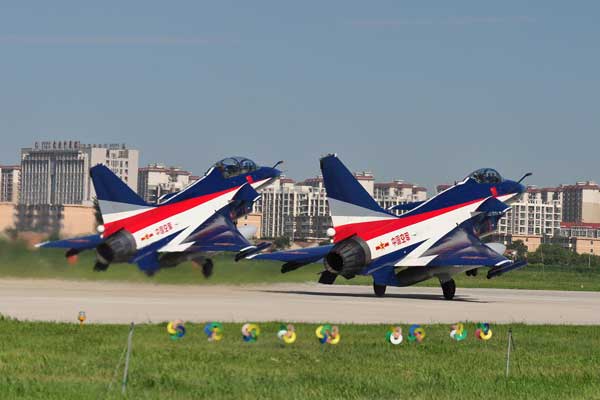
234 166
486 175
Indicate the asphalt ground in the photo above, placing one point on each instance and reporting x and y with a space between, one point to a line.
109 302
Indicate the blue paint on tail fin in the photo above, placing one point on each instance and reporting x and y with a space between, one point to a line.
341 185
109 187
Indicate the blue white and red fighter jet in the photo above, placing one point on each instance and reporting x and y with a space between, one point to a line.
184 226
436 238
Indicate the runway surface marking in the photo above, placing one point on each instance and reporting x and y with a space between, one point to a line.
116 302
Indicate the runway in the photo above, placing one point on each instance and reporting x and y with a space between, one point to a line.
110 302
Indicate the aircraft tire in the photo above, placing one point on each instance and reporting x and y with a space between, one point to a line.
207 268
449 288
379 290
100 266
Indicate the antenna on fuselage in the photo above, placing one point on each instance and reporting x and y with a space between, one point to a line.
525 176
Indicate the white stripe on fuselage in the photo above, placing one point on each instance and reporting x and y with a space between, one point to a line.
185 223
428 231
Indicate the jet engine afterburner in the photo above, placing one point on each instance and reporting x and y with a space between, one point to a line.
119 247
348 257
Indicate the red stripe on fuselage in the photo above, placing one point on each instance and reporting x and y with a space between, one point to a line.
152 216
373 229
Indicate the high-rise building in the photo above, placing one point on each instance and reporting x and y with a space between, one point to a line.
537 213
10 178
55 173
398 192
121 160
583 238
156 180
300 210
581 202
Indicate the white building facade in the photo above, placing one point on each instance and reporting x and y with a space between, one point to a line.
537 213
10 178
300 210
156 180
55 173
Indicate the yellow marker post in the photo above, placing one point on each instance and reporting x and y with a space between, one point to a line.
81 318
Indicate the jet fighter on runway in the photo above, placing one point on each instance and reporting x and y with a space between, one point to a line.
182 226
436 238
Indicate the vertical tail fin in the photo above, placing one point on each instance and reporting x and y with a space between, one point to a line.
115 198
349 202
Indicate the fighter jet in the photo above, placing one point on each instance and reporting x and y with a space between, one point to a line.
437 238
187 225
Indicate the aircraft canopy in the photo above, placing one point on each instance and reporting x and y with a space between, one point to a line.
233 166
486 175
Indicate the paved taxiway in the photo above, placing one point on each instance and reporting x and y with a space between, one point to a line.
116 302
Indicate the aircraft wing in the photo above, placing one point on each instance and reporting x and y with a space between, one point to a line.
218 233
474 255
461 247
79 243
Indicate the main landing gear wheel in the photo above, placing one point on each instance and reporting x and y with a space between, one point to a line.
100 267
449 288
379 290
207 268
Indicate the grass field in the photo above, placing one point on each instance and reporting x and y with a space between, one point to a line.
17 261
64 361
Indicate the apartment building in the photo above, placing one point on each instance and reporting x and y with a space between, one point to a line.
299 210
56 173
583 238
156 180
121 160
581 202
398 192
10 178
538 212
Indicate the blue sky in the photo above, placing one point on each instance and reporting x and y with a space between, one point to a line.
422 92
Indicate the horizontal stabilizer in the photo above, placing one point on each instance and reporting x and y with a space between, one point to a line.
502 269
305 256
80 243
251 250
292 266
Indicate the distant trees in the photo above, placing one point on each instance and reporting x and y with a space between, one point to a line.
519 247
554 254
281 242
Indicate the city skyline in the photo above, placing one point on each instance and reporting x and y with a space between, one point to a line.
431 189
427 93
